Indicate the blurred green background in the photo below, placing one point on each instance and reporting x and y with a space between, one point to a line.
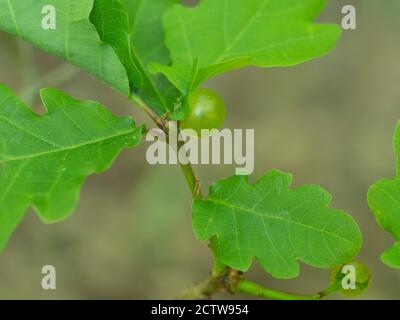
329 122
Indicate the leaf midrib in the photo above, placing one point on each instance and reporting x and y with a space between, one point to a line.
243 31
13 17
68 148
147 78
274 217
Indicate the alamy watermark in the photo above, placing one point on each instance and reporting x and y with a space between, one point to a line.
349 280
349 21
49 278
184 147
49 21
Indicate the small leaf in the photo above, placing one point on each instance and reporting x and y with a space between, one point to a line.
274 224
147 36
391 256
45 159
384 201
230 34
75 38
112 23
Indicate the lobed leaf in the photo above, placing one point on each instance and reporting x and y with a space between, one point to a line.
384 201
275 224
112 23
228 34
44 159
147 37
75 39
391 256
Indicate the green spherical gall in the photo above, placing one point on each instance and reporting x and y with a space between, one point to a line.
207 110
342 276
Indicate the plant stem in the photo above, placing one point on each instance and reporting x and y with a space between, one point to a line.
190 177
202 291
219 268
220 279
225 279
150 113
334 287
254 289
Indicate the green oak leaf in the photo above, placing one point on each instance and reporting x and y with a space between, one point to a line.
147 36
275 224
44 159
384 201
391 256
229 34
112 23
75 38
